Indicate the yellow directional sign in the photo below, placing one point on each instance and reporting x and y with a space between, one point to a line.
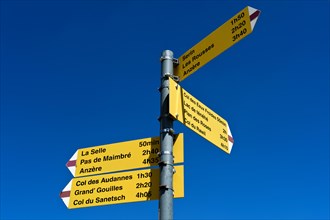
121 156
199 118
124 187
228 34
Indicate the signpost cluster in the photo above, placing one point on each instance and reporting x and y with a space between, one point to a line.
126 172
113 187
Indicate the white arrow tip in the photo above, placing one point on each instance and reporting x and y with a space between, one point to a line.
254 15
65 194
71 164
231 139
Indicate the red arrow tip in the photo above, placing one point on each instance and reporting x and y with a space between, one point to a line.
254 15
65 194
71 163
231 139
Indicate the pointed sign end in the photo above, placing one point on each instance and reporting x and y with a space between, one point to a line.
65 194
254 15
230 140
71 164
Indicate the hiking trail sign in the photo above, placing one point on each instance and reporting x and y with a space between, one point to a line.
115 188
121 156
225 36
199 118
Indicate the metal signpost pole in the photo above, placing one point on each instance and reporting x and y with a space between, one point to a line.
166 141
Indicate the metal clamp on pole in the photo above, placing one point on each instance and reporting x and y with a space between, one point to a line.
176 78
166 153
166 76
166 57
165 187
165 163
170 131
175 61
162 87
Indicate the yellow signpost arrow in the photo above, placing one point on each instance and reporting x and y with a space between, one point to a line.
228 34
199 118
121 156
123 187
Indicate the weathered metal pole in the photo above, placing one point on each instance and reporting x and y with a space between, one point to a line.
166 141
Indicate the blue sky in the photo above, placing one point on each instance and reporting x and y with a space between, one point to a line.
84 73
